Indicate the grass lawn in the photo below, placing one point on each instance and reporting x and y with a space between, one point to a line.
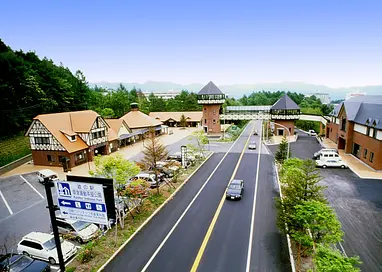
13 148
93 255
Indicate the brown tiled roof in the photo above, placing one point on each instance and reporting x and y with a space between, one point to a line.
69 123
115 125
191 116
137 119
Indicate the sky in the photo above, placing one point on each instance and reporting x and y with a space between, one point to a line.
336 43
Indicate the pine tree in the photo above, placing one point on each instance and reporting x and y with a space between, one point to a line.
282 152
183 121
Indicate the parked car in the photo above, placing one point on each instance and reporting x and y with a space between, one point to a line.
178 157
252 145
235 189
83 231
21 263
311 132
46 173
331 163
149 177
326 151
41 245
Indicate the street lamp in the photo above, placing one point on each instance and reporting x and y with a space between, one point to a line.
288 135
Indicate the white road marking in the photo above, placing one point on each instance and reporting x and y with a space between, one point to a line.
247 268
6 203
32 187
16 213
343 250
188 207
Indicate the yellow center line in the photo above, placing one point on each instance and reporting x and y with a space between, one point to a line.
215 218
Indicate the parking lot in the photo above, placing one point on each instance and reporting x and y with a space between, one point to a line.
357 202
22 208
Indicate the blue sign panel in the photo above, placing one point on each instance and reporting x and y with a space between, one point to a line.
82 201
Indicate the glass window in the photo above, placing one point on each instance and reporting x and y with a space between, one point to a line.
364 153
371 156
214 121
80 225
73 138
35 245
51 158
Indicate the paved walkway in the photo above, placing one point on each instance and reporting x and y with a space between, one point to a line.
127 152
356 165
275 140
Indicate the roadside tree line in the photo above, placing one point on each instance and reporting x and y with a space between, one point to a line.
305 215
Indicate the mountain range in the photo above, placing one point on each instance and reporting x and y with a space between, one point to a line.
238 90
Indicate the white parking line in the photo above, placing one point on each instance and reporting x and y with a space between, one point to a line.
6 203
32 187
189 205
249 252
343 250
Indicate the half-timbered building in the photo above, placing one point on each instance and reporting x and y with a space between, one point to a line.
75 137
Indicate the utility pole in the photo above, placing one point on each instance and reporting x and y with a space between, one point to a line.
48 184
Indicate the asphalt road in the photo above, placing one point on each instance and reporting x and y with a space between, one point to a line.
357 202
227 246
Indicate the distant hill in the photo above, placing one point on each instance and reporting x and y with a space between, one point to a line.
238 90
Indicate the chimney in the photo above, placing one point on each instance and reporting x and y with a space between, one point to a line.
134 107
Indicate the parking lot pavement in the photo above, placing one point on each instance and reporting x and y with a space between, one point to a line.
26 199
357 202
19 192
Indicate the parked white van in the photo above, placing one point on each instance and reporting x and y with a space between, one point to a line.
324 150
334 162
46 173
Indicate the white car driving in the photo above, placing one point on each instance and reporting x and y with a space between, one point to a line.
41 245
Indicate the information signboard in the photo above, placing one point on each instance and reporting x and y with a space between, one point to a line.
82 201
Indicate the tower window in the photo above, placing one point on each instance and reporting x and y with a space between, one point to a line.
214 121
214 111
205 109
205 121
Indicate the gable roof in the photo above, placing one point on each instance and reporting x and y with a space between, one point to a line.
115 125
137 119
362 108
210 88
285 103
191 116
69 123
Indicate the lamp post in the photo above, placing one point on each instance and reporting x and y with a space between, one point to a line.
288 135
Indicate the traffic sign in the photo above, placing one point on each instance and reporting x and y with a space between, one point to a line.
82 201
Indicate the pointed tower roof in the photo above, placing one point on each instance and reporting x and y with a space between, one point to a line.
210 88
285 103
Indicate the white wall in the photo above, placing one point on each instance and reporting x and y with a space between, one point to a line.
360 128
379 135
123 130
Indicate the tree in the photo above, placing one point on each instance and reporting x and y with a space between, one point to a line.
328 259
116 168
138 190
321 220
201 140
282 152
107 113
154 151
183 121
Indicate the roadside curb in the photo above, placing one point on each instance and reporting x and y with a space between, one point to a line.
154 213
291 258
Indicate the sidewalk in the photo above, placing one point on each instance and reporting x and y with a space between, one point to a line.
83 169
357 166
275 140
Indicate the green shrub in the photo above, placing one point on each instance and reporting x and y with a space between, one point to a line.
86 253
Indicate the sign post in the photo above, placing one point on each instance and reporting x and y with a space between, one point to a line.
82 201
183 151
52 212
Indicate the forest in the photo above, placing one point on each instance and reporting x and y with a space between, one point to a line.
30 86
